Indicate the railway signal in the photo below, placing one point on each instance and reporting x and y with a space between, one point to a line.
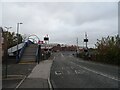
86 40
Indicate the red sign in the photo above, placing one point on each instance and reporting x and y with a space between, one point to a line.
40 42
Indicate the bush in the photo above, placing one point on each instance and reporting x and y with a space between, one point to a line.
108 50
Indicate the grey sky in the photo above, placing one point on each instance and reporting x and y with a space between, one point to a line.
64 21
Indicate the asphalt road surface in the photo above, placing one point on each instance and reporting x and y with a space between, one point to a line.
68 71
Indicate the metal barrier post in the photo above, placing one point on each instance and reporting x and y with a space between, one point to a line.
39 53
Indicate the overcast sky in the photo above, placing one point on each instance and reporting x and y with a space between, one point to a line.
63 22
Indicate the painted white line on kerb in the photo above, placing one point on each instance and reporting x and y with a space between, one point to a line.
50 85
62 55
105 75
20 82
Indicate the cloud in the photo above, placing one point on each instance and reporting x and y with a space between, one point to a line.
64 21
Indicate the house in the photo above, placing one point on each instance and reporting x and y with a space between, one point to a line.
56 48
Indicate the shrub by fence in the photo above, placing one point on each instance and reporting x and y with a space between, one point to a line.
107 51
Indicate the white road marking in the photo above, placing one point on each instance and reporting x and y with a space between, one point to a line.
79 71
105 75
50 85
62 55
58 72
68 72
76 71
100 73
20 82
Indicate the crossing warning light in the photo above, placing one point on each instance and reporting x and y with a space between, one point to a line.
40 42
85 40
46 38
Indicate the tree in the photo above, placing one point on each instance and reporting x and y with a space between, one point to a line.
108 49
10 38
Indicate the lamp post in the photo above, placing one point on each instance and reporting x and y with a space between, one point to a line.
6 38
17 56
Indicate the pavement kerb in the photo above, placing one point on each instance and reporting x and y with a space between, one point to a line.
20 82
49 82
50 85
48 79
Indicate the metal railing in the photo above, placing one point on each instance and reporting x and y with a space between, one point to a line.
22 51
38 53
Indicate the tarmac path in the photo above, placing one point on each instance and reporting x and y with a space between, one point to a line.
39 76
70 72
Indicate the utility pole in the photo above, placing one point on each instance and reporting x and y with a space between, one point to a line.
86 40
77 44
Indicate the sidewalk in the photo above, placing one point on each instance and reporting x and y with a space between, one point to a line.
15 73
39 76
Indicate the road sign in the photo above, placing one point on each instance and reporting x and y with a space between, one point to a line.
40 42
46 38
85 40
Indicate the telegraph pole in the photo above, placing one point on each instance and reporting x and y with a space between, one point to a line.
86 40
77 44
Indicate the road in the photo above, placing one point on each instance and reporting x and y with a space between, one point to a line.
68 71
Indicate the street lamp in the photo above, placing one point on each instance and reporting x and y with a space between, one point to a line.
17 56
8 28
6 38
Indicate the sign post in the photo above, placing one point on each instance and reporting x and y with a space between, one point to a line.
86 49
46 39
39 51
86 40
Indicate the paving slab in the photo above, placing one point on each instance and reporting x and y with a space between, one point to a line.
42 70
34 83
10 83
16 73
38 78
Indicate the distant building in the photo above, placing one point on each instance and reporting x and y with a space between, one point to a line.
64 48
57 48
61 47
